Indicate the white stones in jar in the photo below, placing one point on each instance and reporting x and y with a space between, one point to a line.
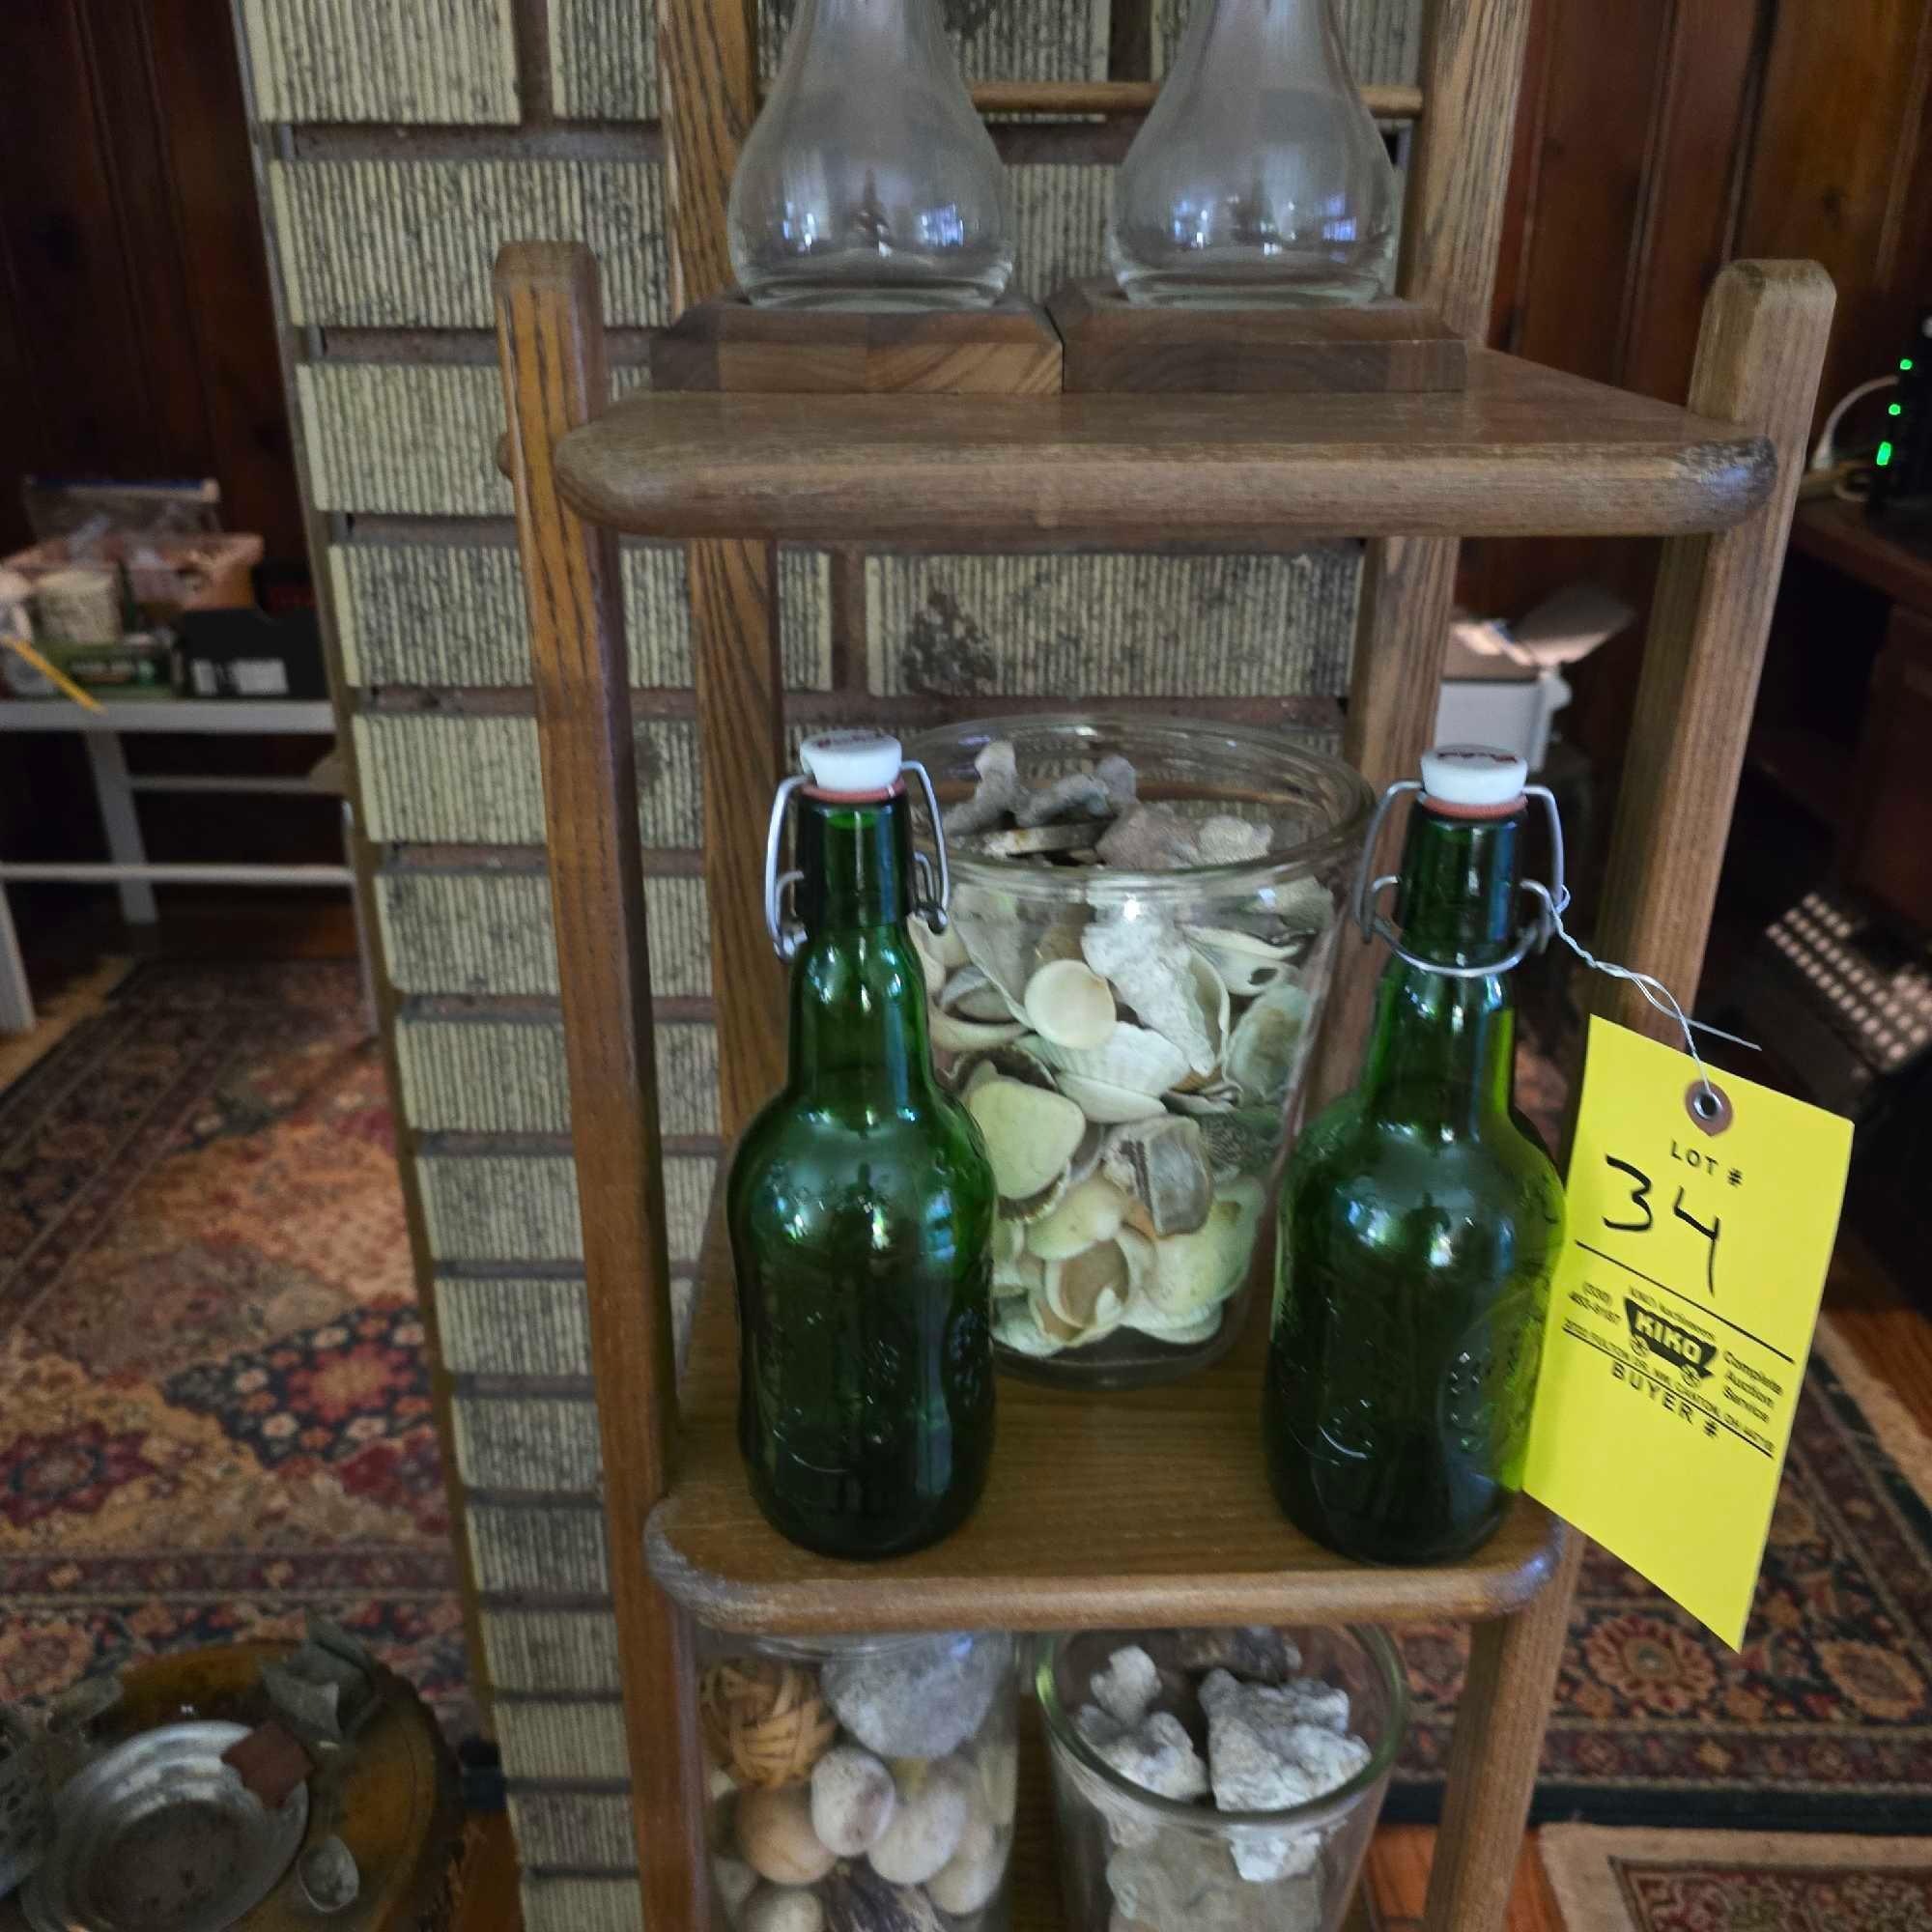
896 1815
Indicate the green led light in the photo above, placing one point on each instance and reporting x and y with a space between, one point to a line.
1884 454
1905 363
1896 409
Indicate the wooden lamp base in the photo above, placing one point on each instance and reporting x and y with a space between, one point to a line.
1113 346
1007 350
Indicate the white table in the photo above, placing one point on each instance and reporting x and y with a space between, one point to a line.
129 868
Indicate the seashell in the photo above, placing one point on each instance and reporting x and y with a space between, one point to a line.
1193 1272
1087 1156
1090 1212
970 994
1217 1006
1150 839
997 794
953 1035
939 953
1246 961
1103 1103
1010 942
1009 1242
1238 1140
1141 1063
1011 1060
1187 1333
1069 1005
1087 1293
1030 1135
1162 1162
1080 795
1024 841
1227 840
1155 971
1265 1050
1014 1327
1023 1274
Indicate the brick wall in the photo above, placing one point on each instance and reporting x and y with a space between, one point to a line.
401 141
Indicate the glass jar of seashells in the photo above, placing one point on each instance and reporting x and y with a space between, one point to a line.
860 1785
1143 920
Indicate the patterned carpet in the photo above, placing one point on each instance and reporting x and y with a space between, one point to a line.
1736 1882
213 1407
213 1412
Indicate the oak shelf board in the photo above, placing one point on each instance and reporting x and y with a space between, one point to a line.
1132 1509
1522 451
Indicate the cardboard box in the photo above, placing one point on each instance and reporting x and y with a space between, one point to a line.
1503 684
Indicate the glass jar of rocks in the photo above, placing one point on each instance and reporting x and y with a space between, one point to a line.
1223 1780
1144 919
860 1785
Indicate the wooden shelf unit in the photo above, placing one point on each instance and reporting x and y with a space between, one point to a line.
1186 1530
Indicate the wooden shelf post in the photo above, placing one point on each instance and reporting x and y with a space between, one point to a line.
1452 233
707 53
1758 363
549 338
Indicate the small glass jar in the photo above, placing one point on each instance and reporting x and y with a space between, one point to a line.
859 1783
1130 1857
1126 997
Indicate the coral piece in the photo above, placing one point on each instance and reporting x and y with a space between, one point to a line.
996 795
1083 795
1153 968
1126 1690
1254 1650
1150 839
1227 840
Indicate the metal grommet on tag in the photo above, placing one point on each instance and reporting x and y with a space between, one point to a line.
1709 1107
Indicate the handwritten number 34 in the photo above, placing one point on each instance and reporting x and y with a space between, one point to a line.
1640 1199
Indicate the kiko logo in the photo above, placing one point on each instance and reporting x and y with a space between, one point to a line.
1655 1336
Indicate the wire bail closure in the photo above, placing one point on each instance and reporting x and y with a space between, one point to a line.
1532 938
933 897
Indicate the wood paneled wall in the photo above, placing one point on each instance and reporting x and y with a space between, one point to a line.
136 333
1659 139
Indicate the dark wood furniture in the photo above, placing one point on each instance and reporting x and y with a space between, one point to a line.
1875 793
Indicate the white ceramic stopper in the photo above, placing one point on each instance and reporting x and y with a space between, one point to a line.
1473 777
852 761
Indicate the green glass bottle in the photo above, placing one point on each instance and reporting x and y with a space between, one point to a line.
1420 1218
861 1204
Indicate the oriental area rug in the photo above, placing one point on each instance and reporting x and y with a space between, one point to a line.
214 1414
1736 1881
215 1406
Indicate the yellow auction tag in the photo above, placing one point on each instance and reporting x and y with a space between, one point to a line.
1681 1315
